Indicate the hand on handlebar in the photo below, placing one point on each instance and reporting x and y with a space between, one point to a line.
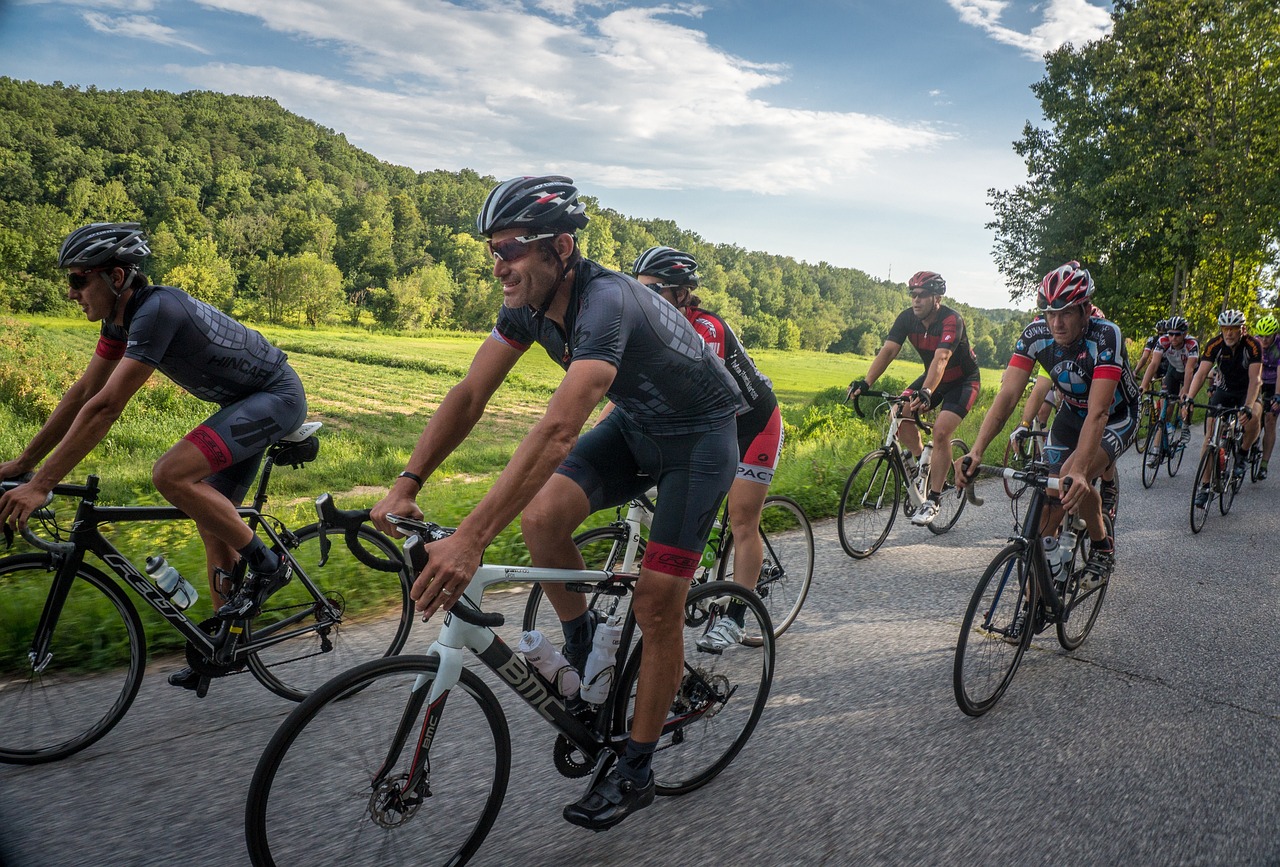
451 564
393 504
1020 433
18 504
857 387
966 469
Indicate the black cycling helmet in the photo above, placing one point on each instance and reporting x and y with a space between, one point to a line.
929 281
97 243
1177 325
668 264
547 202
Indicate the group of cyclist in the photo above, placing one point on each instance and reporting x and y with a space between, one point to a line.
686 412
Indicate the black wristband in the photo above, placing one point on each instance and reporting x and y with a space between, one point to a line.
408 475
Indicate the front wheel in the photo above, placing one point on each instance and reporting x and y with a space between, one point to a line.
57 706
1205 469
374 612
1152 457
721 695
1231 483
996 631
1146 420
869 504
1175 455
787 569
331 783
952 502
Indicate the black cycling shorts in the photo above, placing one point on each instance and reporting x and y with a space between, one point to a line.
1064 435
958 397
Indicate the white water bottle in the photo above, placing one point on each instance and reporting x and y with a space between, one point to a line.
1053 557
175 588
549 662
597 675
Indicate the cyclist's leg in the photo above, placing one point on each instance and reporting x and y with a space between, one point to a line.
953 405
759 443
908 433
1268 424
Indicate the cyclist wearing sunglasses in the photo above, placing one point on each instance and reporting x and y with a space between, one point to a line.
210 355
672 423
950 381
674 275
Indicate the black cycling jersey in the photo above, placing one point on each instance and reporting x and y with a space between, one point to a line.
1233 362
1099 353
946 332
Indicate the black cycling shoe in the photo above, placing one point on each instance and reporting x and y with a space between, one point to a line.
254 591
610 801
185 678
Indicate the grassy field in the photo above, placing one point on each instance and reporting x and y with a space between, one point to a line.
374 394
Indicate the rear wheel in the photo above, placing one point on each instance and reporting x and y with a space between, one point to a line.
1081 606
52 708
721 695
602 548
375 612
787 570
869 504
952 502
996 631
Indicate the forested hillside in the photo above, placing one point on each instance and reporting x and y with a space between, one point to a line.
279 220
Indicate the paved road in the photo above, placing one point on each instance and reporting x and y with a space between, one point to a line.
1157 742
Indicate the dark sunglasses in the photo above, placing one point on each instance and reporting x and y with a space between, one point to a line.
81 280
515 249
915 295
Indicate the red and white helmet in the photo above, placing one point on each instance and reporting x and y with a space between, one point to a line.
929 281
1066 286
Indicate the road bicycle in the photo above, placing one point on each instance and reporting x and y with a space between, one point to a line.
785 573
1024 451
1219 461
406 760
1019 597
1164 439
72 648
1147 416
882 479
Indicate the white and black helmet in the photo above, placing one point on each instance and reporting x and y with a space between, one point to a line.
96 243
547 202
1228 318
667 264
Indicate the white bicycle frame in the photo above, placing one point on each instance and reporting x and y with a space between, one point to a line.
917 479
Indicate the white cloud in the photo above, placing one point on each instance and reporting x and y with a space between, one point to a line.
122 5
1074 21
621 98
138 27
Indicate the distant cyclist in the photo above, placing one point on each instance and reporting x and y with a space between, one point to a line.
1149 349
1265 330
208 472
1238 358
673 274
1097 420
950 381
1179 354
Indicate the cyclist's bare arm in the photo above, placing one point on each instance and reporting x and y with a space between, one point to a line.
881 362
1156 357
449 425
1202 373
933 376
59 422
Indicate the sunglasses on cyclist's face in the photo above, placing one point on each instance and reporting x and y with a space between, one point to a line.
81 280
921 294
515 249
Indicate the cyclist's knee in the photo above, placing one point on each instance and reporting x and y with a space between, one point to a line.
557 509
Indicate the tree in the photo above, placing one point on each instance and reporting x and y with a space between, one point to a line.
203 274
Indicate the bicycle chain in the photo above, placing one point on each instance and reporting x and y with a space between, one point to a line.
205 666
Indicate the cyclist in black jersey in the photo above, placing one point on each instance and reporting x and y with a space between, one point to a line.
206 474
673 424
1238 358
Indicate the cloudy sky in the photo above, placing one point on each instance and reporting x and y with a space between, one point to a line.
860 132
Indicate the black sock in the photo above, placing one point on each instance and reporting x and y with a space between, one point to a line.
738 611
936 497
635 761
577 638
259 557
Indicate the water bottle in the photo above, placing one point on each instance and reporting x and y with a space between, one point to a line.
549 662
712 551
1053 556
597 675
175 588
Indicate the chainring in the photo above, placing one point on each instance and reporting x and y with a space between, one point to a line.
570 761
202 664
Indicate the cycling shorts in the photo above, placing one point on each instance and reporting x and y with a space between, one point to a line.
1265 395
235 437
1173 382
1227 397
1064 436
615 462
958 397
759 442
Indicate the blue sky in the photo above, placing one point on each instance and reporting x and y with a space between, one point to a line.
862 133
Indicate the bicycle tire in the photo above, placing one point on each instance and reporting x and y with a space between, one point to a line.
1150 472
97 657
992 641
1146 412
602 548
1175 458
787 570
1080 610
876 486
1231 484
311 793
377 613
720 698
1200 513
953 499
1255 458
1016 456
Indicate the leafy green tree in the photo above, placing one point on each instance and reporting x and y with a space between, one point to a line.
203 274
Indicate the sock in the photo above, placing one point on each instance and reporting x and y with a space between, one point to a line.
577 638
936 497
259 557
635 761
738 611
1106 546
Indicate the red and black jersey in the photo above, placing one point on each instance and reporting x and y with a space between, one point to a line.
946 332
1234 363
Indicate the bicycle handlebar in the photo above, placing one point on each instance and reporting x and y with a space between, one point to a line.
26 532
416 552
891 398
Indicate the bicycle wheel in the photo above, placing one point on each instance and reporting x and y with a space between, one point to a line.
602 548
1230 484
1016 456
313 795
1146 413
953 499
1175 456
869 504
376 613
1255 459
1200 513
787 570
91 675
996 631
721 695
1152 457
1080 607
